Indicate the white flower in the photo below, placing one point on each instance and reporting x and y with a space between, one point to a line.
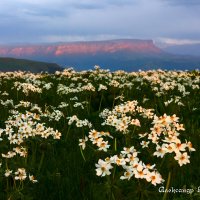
140 171
182 158
190 147
135 122
102 87
103 168
154 177
144 144
32 179
56 134
179 147
20 174
127 175
103 145
8 172
119 160
132 157
82 142
160 151
93 134
128 150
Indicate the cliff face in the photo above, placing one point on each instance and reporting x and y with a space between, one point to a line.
81 48
125 54
107 47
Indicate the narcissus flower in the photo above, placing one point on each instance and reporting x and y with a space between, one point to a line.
82 142
20 174
160 151
32 179
154 177
182 158
8 172
190 147
127 175
103 168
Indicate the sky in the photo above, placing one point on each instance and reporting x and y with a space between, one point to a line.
49 21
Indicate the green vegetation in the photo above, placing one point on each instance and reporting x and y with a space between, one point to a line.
12 64
96 135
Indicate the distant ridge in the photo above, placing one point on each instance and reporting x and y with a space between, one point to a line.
127 54
184 49
86 47
12 64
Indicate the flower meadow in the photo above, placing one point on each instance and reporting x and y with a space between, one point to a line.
99 135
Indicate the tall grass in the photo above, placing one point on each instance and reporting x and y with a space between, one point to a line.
72 104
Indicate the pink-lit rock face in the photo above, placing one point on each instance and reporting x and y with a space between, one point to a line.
20 51
3 52
107 47
81 48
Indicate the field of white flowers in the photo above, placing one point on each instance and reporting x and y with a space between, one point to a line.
99 135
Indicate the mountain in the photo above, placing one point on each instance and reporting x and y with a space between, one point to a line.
12 64
186 49
127 54
76 48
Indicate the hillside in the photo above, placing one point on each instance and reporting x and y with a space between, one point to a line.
186 49
77 48
127 54
12 64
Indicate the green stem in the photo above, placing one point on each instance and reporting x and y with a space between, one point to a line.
82 154
162 162
21 185
70 106
132 134
67 132
89 103
115 144
100 102
128 139
91 148
17 95
14 185
110 186
114 173
113 102
6 163
41 162
167 186
34 151
7 185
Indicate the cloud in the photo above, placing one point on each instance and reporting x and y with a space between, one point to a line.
56 20
69 38
62 6
174 41
183 2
